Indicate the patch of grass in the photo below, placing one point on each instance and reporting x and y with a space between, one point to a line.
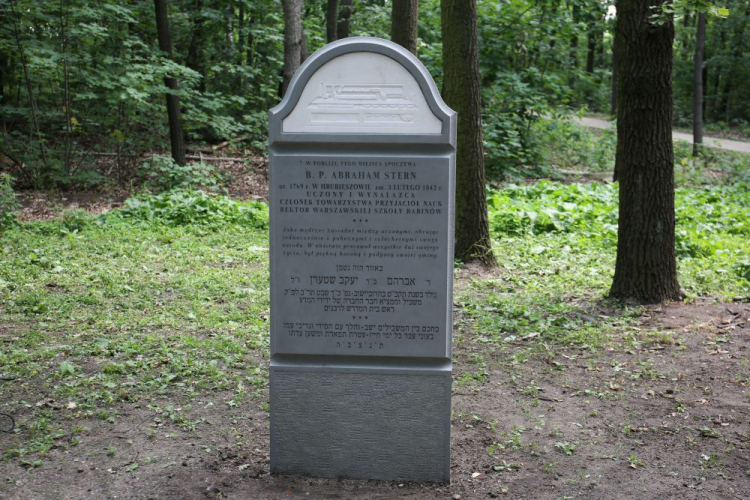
128 311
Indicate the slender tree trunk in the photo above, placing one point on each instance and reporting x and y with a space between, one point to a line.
196 57
615 79
591 54
230 26
29 86
573 51
737 60
462 92
292 40
712 111
173 102
241 34
303 51
250 49
700 41
615 87
345 16
646 267
404 17
332 14
68 142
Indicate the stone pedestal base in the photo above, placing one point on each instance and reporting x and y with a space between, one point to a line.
365 423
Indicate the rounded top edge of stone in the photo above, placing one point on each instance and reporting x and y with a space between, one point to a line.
363 44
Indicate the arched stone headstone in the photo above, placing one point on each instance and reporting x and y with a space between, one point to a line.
362 169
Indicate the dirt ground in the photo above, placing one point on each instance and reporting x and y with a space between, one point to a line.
247 179
663 414
646 420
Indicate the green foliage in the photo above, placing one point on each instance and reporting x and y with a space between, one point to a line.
185 206
8 201
550 220
76 220
725 70
552 207
161 173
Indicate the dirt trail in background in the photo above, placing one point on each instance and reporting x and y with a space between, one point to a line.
713 142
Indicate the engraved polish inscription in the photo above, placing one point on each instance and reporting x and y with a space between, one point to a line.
364 250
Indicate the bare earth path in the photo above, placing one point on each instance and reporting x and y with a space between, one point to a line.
742 147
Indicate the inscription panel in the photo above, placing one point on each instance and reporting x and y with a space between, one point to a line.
362 245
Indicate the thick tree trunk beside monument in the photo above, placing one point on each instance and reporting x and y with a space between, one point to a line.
646 268
173 102
404 16
292 40
462 92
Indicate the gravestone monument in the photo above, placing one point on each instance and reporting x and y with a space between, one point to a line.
362 169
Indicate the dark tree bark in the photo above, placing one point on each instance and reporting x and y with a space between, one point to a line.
196 57
345 16
304 53
573 51
332 15
241 34
615 88
736 62
615 79
714 95
462 92
591 51
292 40
700 42
404 17
646 267
173 102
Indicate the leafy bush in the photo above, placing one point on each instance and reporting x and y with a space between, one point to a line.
185 206
8 202
76 219
712 234
568 145
163 174
552 207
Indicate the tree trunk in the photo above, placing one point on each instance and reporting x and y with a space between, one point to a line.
712 111
462 92
737 61
241 35
615 88
345 15
573 51
196 57
646 268
700 41
615 75
292 40
304 53
591 53
404 16
332 14
173 102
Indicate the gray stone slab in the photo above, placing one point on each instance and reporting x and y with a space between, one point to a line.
396 425
361 189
